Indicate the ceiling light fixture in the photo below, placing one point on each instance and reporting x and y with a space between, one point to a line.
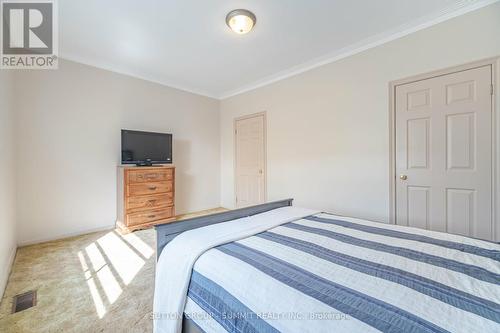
241 21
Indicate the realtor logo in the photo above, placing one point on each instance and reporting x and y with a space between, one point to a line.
29 34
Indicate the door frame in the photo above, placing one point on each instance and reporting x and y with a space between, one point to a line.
495 66
235 171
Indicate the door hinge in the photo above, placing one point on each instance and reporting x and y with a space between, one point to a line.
492 89
235 131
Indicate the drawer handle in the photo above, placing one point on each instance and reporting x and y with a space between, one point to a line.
151 216
152 188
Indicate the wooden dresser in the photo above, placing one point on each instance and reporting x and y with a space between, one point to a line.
145 196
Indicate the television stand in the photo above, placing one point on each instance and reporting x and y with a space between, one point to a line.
144 164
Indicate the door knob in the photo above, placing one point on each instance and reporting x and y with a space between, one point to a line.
403 177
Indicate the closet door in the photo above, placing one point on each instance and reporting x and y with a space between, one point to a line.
444 153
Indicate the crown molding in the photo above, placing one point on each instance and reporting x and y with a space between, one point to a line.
464 7
136 75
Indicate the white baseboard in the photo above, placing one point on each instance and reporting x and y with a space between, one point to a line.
86 231
4 278
66 235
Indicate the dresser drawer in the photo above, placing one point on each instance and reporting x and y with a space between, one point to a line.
150 201
150 216
149 188
144 176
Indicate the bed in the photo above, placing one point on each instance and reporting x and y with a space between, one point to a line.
279 268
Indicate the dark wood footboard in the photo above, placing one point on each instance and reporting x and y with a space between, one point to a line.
166 232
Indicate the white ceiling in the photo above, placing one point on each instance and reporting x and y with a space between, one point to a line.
186 44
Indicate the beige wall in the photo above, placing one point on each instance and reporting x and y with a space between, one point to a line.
68 146
327 133
7 177
328 128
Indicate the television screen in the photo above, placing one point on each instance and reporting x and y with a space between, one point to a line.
140 147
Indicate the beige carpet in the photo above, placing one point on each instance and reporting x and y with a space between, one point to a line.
100 282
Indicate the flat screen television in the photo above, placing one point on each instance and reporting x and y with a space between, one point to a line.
146 148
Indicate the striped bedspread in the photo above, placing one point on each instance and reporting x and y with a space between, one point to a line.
326 273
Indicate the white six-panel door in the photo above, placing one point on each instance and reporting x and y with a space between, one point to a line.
444 153
250 160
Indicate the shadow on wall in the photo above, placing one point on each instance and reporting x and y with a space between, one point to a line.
184 185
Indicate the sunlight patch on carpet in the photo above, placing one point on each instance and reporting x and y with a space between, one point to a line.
110 264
